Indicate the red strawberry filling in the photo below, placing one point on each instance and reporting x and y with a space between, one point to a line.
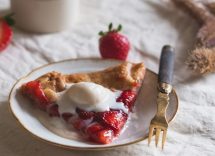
104 126
100 127
128 97
99 133
34 90
84 114
78 123
67 116
114 119
53 110
105 136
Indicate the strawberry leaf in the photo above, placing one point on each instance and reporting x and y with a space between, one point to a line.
110 27
101 33
119 28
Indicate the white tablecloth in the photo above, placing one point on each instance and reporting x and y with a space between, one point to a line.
149 25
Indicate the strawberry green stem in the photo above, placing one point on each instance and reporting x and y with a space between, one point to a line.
9 19
110 29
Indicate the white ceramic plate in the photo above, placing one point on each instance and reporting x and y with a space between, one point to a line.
41 126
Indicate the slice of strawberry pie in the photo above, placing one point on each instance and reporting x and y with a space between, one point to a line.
96 104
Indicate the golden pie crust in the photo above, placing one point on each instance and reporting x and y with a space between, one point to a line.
121 77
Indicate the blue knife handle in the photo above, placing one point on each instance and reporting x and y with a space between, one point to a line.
166 67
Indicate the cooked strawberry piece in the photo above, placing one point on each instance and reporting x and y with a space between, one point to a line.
30 86
128 97
34 90
115 119
78 123
105 136
92 129
67 116
136 84
53 110
100 134
84 114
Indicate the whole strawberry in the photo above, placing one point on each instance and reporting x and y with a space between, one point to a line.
112 44
6 32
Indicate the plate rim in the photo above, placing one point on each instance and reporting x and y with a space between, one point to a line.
75 147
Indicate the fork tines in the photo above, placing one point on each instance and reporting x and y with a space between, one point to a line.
156 129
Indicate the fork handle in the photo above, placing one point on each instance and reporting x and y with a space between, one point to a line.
166 69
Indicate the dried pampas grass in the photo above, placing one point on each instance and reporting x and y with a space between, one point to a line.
202 58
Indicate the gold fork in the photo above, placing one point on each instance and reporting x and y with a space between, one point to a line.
159 122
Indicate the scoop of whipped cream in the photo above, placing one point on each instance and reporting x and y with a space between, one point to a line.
88 94
90 97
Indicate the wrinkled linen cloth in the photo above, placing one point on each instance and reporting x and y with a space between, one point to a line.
149 25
